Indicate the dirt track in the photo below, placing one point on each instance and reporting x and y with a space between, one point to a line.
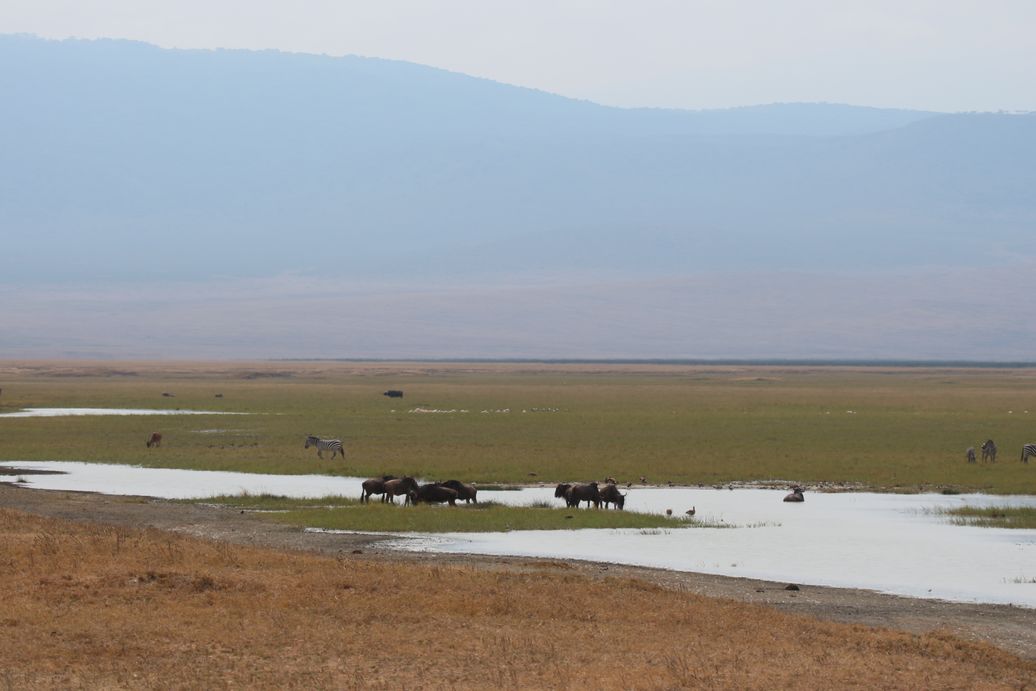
1007 627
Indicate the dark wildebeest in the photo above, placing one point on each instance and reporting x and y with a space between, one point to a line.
611 495
796 495
969 454
154 440
433 493
398 487
466 493
577 494
393 393
375 485
561 491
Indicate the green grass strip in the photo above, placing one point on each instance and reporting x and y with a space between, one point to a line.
339 513
993 516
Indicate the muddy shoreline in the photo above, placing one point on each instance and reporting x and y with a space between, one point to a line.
1005 626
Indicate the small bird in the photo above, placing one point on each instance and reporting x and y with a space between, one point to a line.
643 480
668 512
690 511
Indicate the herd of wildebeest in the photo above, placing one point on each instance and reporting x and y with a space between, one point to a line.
390 487
452 491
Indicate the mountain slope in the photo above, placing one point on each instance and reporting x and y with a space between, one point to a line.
122 160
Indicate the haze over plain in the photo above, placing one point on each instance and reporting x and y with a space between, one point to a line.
263 204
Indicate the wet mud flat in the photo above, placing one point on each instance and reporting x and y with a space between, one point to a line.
1008 627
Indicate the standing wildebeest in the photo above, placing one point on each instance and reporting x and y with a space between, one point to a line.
989 451
375 485
577 494
796 495
433 493
334 445
154 440
611 495
399 487
466 493
969 454
561 491
393 393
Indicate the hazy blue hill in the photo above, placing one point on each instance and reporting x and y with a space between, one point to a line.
122 160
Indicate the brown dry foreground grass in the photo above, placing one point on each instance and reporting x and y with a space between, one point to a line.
90 606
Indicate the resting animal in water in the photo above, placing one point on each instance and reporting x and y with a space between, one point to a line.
796 495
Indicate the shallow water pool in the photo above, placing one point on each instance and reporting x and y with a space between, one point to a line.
888 542
71 412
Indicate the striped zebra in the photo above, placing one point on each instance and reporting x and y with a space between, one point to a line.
334 445
1028 450
989 451
969 453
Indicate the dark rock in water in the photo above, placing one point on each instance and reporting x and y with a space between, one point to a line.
791 586
357 551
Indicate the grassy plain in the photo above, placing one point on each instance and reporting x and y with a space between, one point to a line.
88 606
897 429
336 513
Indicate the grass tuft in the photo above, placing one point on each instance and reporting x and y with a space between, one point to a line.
1023 517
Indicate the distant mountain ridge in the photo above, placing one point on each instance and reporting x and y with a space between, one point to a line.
133 161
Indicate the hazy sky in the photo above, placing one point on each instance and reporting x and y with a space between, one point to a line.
948 55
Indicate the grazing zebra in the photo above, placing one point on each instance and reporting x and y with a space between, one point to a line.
989 451
1028 450
335 446
969 453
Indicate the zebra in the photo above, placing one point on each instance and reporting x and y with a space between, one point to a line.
1028 450
989 451
335 445
969 453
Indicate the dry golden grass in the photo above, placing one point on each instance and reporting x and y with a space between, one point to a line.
101 607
